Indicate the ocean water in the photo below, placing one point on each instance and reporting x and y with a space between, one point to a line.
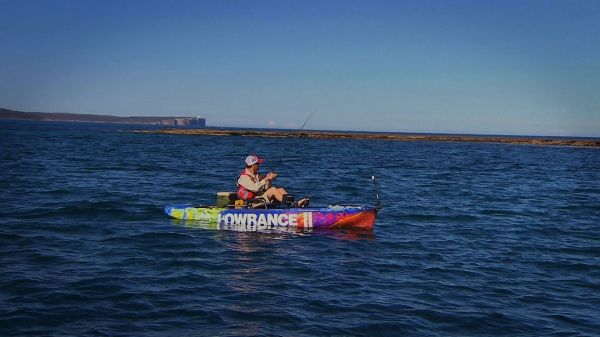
474 239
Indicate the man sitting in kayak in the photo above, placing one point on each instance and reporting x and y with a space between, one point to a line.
251 185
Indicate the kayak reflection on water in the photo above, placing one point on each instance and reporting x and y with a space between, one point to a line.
270 228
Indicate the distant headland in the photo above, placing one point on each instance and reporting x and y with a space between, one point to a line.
557 141
86 118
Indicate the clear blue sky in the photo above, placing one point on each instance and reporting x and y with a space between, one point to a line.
499 67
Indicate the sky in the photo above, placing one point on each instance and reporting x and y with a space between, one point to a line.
477 67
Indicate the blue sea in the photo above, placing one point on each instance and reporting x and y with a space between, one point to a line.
474 239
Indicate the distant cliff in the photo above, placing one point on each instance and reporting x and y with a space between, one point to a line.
68 117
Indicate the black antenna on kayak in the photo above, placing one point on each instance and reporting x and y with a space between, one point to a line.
377 199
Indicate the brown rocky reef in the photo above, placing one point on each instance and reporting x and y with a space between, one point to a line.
560 141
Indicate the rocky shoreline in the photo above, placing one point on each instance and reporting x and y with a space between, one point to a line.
382 136
89 118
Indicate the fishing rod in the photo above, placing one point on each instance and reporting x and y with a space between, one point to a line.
271 168
298 136
378 206
306 121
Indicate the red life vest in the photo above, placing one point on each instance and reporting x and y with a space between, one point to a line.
242 192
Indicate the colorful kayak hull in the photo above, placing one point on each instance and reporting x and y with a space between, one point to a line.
333 217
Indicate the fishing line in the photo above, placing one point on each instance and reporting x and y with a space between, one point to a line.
296 134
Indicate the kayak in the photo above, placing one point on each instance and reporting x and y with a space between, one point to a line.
257 215
331 217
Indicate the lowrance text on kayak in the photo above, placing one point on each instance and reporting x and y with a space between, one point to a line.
302 219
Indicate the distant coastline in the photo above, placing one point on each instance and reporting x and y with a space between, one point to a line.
197 126
87 118
556 141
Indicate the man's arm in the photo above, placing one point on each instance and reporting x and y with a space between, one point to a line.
251 185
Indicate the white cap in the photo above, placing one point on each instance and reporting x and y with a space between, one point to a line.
253 159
